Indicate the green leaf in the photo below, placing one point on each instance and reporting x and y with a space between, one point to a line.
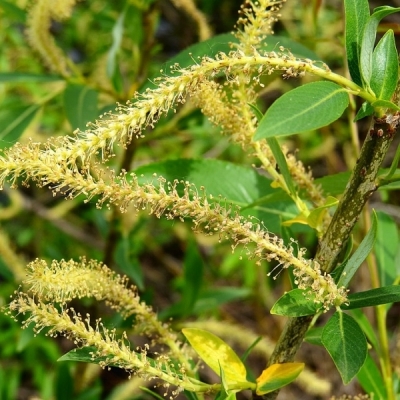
24 77
216 354
368 41
392 169
385 67
314 335
357 14
337 272
64 383
215 175
225 393
305 108
128 262
250 348
373 297
366 326
316 216
365 110
190 395
334 184
346 344
296 303
385 104
371 380
13 11
277 376
360 254
83 354
282 164
14 121
256 111
386 248
393 183
193 267
80 103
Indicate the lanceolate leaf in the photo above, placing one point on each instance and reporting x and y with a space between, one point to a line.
215 175
345 342
282 164
225 393
316 216
80 104
314 335
216 354
385 67
83 354
363 322
13 122
357 14
371 380
368 40
296 303
277 376
373 297
193 276
365 110
305 108
386 248
360 254
385 104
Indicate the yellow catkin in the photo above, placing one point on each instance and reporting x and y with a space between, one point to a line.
114 350
39 20
62 281
255 23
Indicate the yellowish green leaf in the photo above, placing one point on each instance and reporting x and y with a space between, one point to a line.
317 215
277 376
216 354
300 219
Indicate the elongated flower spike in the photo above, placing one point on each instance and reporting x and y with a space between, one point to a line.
40 15
108 348
255 23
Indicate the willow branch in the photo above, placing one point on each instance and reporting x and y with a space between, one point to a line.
359 189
